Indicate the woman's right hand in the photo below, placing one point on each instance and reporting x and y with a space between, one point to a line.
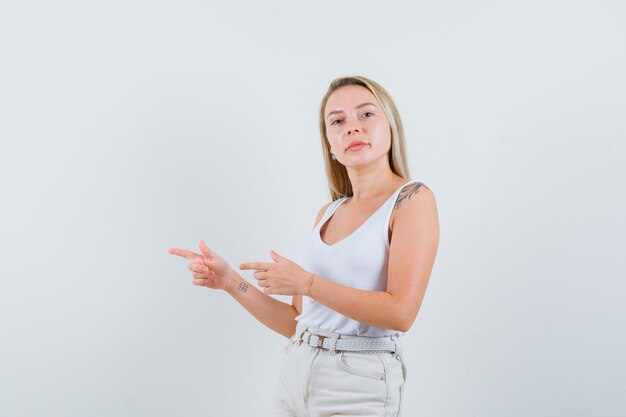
208 269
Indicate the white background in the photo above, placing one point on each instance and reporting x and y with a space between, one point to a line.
128 127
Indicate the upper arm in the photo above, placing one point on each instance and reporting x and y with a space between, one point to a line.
412 250
296 301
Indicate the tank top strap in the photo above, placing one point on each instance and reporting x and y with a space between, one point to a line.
399 190
330 210
394 200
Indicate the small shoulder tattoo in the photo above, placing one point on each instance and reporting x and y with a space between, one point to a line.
407 192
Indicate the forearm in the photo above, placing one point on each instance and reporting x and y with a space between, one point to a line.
376 308
278 316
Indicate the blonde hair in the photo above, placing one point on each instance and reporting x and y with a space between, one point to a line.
337 174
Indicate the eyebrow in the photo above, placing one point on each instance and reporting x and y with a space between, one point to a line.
358 107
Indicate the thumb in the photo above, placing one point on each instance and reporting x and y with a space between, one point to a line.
275 256
205 250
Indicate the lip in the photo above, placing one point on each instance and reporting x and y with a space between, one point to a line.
356 148
355 143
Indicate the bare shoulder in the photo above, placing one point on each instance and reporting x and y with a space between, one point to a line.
425 193
413 198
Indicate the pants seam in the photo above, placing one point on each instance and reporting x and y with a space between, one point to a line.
386 383
310 384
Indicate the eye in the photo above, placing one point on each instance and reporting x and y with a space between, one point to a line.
337 120
368 112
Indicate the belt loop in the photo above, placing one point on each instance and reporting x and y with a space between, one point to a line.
399 349
300 329
333 343
394 339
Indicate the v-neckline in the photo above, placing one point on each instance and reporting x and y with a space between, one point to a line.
319 229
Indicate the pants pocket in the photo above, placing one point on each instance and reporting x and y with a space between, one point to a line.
394 380
363 364
400 403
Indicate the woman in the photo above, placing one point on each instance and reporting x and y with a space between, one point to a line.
363 272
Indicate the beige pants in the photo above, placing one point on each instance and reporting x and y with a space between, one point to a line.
315 383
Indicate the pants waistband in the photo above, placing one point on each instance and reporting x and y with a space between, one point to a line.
339 342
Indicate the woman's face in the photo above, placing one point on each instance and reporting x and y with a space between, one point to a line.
353 113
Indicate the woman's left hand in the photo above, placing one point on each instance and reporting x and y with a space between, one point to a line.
283 277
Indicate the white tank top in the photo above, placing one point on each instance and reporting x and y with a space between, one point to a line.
360 260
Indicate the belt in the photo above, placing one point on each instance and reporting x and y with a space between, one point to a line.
334 342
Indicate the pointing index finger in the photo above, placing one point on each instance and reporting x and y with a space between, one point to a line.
259 266
187 254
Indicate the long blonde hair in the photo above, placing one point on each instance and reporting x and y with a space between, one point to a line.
336 174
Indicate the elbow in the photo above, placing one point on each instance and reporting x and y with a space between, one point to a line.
404 326
403 312
400 324
400 327
404 321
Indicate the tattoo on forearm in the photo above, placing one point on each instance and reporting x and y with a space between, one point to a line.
243 286
407 192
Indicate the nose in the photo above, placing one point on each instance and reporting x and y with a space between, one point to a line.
353 127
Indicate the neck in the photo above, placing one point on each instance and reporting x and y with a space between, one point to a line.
370 185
